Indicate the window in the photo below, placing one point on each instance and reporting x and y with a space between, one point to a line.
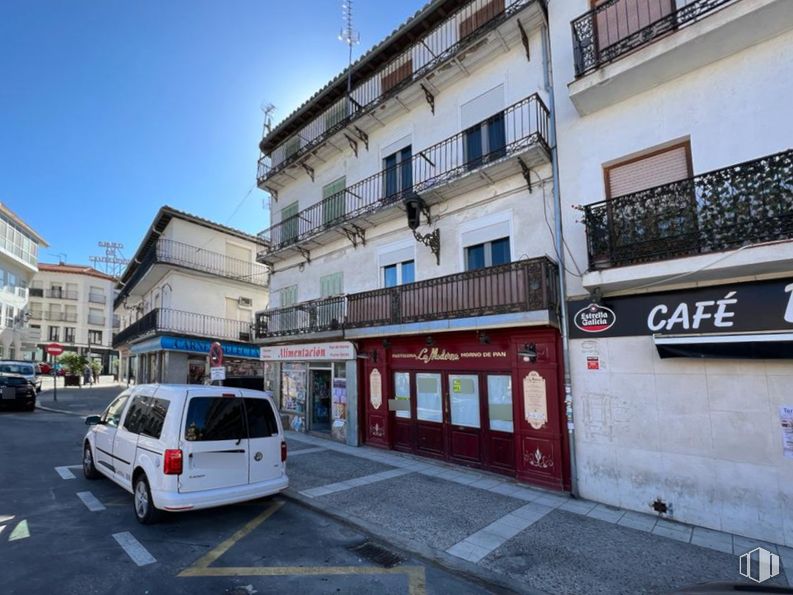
331 285
291 146
10 312
214 418
96 316
487 254
398 172
649 170
95 337
625 18
136 414
261 419
112 414
499 402
153 422
289 224
333 201
402 392
53 333
486 13
288 296
399 273
485 142
69 334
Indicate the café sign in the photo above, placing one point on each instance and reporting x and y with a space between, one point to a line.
734 308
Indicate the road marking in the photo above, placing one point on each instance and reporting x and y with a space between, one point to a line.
139 554
65 473
91 501
21 531
5 519
305 451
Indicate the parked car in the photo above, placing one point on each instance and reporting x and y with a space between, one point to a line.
45 369
17 391
186 447
27 369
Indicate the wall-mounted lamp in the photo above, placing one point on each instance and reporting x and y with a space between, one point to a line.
528 352
429 341
372 356
484 338
386 344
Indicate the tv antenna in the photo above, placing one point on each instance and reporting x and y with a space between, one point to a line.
349 36
268 109
113 262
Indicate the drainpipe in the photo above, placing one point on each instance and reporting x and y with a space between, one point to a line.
559 246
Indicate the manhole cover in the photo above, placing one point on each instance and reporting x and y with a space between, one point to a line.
377 554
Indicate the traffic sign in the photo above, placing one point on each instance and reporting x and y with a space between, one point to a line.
54 348
217 373
216 355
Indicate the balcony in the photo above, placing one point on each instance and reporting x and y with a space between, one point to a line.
61 294
444 54
522 286
435 173
97 298
624 47
195 258
163 320
36 292
741 205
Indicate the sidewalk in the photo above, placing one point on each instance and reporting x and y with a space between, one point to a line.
522 538
81 401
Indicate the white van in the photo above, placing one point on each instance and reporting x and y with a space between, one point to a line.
185 447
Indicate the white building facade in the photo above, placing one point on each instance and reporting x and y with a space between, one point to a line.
414 282
73 305
191 283
19 245
675 135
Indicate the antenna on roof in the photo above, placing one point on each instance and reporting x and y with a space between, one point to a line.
268 109
349 36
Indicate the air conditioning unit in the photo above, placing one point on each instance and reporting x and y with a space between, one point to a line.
245 302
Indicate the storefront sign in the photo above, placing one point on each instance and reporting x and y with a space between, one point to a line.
309 352
428 355
592 362
202 346
375 389
734 308
535 405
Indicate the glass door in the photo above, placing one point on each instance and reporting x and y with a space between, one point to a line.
429 414
464 418
500 444
403 414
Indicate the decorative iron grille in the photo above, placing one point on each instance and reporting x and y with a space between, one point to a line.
617 27
743 204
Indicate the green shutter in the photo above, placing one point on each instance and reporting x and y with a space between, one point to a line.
289 224
289 296
330 285
334 208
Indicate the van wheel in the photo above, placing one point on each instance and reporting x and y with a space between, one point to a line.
89 470
143 503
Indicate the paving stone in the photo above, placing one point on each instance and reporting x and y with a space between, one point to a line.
680 532
715 540
468 551
532 512
606 513
486 540
638 521
551 500
742 544
578 506
486 483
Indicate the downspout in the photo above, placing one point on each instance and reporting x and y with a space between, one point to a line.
559 246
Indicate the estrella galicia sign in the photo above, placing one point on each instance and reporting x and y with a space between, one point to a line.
594 318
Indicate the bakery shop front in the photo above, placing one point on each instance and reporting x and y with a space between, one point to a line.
489 399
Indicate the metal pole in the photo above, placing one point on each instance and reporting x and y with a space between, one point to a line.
559 245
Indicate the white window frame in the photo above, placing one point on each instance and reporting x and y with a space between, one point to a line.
395 253
494 219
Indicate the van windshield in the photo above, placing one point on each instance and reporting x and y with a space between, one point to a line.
25 369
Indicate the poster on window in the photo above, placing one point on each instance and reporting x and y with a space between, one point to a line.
339 398
293 388
786 423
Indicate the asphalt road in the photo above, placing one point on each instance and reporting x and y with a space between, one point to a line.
51 541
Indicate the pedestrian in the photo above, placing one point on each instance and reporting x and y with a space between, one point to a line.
88 375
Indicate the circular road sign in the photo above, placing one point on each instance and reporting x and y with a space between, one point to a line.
54 348
216 354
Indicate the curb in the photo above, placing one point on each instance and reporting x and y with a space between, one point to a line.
63 411
458 567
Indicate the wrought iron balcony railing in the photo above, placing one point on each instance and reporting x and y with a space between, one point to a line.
61 294
617 27
525 124
164 320
520 286
740 205
436 47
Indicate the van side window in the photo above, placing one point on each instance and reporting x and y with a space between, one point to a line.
214 418
112 414
261 419
155 418
135 415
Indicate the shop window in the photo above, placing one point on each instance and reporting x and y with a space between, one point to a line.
214 418
398 172
333 201
402 392
399 273
261 419
485 142
499 402
428 397
487 254
464 397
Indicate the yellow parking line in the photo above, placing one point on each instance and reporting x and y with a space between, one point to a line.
225 546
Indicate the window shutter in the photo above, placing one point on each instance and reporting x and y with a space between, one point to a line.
289 296
624 18
662 167
330 285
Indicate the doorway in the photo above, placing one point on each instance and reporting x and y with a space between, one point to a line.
320 391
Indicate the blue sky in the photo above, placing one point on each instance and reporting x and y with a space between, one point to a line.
111 108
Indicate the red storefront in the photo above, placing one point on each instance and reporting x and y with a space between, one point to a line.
475 398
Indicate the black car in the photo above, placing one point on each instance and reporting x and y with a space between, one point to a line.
17 391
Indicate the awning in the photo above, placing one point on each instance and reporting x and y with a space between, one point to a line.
727 346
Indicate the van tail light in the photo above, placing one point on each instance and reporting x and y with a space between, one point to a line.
283 451
172 463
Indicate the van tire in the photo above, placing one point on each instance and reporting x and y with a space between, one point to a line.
89 470
142 502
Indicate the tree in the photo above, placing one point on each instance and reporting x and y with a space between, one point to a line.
73 362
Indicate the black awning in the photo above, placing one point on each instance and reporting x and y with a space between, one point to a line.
726 346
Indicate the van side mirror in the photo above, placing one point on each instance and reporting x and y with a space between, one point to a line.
92 420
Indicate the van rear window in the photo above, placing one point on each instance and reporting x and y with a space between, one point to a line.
261 419
214 418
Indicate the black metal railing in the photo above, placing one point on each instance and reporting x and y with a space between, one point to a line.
525 124
184 323
740 205
436 47
61 294
617 27
520 286
36 292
